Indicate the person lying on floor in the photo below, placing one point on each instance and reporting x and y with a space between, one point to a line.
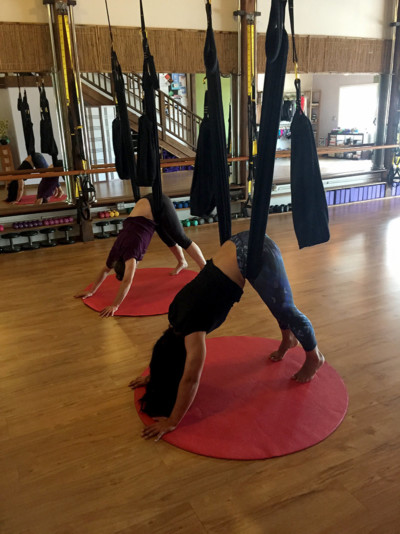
132 242
49 187
16 188
201 307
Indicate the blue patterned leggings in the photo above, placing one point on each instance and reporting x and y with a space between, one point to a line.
273 286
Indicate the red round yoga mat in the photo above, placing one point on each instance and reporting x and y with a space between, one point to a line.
151 293
248 408
30 199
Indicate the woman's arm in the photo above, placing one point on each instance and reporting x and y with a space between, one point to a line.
195 356
20 192
130 268
96 284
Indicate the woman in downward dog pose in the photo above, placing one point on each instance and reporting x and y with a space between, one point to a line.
201 307
132 242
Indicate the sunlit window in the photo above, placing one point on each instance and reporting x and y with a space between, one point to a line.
358 106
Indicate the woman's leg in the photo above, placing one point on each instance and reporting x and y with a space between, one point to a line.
182 263
273 287
171 232
288 342
196 254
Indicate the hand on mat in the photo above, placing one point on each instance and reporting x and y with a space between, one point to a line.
108 311
83 294
139 382
158 429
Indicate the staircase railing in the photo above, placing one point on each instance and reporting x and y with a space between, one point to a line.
173 119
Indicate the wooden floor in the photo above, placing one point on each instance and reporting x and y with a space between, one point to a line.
72 459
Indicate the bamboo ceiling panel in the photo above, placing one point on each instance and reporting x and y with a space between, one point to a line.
173 50
88 41
25 47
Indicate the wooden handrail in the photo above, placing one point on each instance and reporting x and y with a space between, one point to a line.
174 120
178 162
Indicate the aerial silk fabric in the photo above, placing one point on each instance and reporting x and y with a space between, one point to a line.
202 195
309 206
47 141
121 130
147 153
27 124
248 408
276 46
148 145
218 152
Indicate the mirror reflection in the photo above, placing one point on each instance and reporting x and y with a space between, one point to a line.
342 109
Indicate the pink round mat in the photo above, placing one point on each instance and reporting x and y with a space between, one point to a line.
248 407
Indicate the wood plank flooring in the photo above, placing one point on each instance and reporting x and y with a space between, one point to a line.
72 459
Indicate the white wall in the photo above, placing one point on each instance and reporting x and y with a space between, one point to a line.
6 114
354 18
329 85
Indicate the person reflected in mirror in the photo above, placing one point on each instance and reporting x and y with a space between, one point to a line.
49 187
16 188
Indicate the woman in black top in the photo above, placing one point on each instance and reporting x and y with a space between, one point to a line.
201 307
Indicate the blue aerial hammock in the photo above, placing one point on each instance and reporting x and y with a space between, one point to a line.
213 146
308 198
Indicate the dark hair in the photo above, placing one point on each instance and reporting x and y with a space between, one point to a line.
119 268
12 191
166 370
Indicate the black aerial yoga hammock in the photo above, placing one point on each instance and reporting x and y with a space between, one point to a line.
308 197
276 47
149 172
47 141
27 124
121 129
309 206
217 153
202 195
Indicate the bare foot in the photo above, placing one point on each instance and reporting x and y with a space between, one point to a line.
288 342
314 360
181 265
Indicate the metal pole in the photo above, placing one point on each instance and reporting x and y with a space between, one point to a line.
80 95
60 119
238 79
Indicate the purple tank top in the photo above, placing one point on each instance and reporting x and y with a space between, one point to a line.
132 241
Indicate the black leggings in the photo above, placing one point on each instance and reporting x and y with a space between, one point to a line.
168 226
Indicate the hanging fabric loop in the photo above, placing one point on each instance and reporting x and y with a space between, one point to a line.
309 206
